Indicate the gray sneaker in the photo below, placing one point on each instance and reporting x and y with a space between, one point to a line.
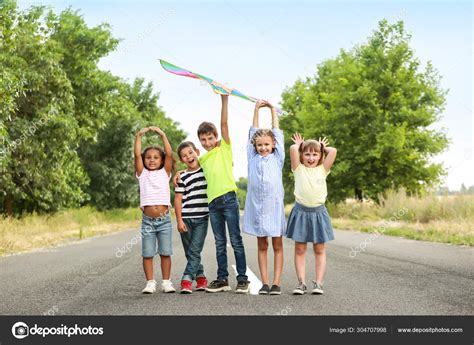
275 290
265 290
300 289
242 286
218 285
317 288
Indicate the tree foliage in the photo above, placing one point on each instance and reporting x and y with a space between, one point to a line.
66 127
376 105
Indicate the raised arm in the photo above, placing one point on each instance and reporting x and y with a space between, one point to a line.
167 147
330 153
138 150
224 118
275 123
294 150
259 104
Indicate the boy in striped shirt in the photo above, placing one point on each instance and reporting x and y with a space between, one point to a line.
192 215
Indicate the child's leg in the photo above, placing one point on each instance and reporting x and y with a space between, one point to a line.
164 236
218 228
300 264
186 241
148 268
197 228
165 266
149 247
277 243
262 258
232 217
320 261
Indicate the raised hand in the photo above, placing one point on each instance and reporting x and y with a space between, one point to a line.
268 105
323 141
260 104
220 88
142 131
157 130
297 139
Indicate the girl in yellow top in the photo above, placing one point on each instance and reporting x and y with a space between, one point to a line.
309 220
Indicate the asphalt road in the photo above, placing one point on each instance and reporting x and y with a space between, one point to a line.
393 276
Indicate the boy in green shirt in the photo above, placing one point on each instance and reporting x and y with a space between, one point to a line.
223 203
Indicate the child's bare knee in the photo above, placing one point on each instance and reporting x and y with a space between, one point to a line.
262 244
300 250
319 249
277 246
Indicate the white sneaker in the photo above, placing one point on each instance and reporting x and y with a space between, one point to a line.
150 287
167 286
317 288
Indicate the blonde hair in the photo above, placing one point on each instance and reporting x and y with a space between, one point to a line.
312 145
262 133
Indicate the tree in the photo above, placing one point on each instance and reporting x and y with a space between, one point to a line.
109 161
67 127
242 191
375 105
41 170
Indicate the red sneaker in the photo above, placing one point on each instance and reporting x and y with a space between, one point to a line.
186 287
201 284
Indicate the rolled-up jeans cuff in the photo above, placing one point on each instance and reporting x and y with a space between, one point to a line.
188 278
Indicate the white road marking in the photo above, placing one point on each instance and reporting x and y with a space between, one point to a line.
255 283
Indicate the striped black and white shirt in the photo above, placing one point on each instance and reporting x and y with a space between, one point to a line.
192 185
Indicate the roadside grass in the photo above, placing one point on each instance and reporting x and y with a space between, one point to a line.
38 231
446 219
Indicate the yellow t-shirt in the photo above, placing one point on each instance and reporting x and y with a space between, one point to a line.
217 166
310 185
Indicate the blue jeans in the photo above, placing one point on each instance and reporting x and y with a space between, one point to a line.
193 242
156 236
222 210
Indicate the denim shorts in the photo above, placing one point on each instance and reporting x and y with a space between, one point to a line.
156 236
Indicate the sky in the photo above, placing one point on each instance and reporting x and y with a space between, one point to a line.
263 47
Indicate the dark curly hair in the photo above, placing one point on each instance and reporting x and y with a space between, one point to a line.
162 155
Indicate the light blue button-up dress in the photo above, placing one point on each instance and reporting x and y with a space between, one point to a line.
264 213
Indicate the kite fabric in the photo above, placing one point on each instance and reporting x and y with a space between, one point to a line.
217 87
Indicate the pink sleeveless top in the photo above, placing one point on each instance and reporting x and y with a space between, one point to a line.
154 188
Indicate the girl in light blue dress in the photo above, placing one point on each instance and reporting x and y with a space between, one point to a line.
264 214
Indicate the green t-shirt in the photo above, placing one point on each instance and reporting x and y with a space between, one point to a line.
217 166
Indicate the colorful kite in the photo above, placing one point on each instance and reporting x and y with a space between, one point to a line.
216 87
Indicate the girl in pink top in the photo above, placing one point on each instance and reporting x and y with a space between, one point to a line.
153 170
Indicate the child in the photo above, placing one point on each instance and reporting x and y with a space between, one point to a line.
264 214
153 169
192 215
223 203
309 220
